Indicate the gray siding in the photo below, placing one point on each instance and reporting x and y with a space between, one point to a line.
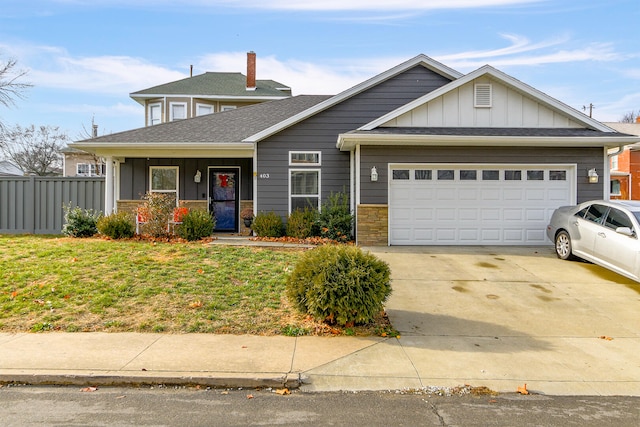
380 157
134 176
320 133
34 204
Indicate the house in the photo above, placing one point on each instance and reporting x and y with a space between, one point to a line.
428 156
207 93
9 169
625 165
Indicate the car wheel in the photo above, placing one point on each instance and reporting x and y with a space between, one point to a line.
563 245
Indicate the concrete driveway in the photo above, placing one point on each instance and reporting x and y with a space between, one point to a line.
505 313
502 317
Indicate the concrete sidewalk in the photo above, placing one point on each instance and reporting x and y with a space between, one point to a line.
482 316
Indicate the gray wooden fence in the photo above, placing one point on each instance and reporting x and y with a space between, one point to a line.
34 204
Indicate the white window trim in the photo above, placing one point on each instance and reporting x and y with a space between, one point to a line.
150 108
319 163
177 190
172 104
95 169
227 107
199 104
319 195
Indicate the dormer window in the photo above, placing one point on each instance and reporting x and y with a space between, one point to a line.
155 114
482 95
178 111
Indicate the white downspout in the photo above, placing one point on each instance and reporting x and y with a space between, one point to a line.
108 187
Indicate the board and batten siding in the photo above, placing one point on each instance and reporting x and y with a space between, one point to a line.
320 133
509 108
134 176
380 157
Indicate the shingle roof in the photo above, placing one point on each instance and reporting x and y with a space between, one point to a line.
212 84
224 127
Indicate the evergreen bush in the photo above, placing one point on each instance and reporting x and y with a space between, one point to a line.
335 220
117 225
267 224
196 224
302 224
339 283
79 222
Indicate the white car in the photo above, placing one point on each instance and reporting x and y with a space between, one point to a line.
603 232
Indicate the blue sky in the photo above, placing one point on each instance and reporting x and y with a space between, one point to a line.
84 57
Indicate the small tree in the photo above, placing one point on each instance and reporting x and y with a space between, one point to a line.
630 117
34 150
159 207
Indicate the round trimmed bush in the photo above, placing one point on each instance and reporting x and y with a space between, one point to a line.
117 225
80 222
340 284
267 224
196 224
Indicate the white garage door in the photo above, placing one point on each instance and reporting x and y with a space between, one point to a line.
453 204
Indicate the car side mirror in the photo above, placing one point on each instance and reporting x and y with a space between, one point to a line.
625 231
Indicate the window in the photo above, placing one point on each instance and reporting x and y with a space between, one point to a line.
400 174
615 187
422 174
490 175
227 107
164 179
614 162
595 213
178 111
468 175
304 189
203 109
557 175
482 95
535 175
616 218
512 175
90 169
445 174
306 158
155 114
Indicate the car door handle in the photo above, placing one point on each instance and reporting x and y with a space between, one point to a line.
575 223
603 235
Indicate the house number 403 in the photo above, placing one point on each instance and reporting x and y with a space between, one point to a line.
264 176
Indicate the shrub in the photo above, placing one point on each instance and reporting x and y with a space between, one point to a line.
196 224
335 220
79 222
339 283
302 223
267 224
159 207
117 225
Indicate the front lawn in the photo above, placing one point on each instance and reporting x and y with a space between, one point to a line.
66 284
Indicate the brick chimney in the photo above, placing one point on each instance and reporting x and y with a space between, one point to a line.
251 70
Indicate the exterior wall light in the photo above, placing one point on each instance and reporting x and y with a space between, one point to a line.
593 176
374 174
197 177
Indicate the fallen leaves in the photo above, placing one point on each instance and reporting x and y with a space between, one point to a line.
283 391
606 338
89 389
196 304
523 389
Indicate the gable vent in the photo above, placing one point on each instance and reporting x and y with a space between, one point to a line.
483 95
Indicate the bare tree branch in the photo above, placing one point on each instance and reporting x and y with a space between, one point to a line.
35 150
10 88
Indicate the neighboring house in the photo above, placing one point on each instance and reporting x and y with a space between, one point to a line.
80 163
625 165
428 156
9 169
207 93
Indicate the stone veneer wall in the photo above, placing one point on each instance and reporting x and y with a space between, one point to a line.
372 227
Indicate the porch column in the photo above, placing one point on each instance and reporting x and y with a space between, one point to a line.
108 187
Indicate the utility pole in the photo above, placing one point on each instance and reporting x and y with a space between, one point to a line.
590 107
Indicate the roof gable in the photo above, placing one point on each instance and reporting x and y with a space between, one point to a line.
514 104
420 60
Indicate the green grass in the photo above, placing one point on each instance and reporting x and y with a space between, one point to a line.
65 284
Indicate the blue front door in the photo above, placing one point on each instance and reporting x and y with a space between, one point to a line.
224 197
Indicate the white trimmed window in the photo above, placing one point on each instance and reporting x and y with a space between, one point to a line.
203 109
227 107
155 114
164 179
304 189
614 162
178 111
90 169
304 158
